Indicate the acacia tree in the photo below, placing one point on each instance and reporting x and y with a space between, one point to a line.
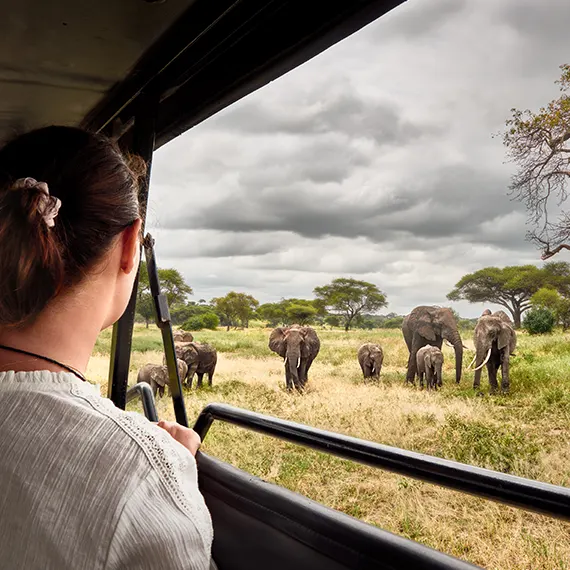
350 298
235 308
511 287
539 144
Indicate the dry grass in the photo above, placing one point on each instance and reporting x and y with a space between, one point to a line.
526 433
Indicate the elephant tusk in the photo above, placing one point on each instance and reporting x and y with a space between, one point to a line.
484 361
472 362
298 362
448 343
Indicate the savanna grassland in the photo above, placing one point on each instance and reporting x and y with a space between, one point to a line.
526 433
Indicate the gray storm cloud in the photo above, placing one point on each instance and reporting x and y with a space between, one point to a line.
376 159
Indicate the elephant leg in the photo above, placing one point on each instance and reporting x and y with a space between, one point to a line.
421 377
505 384
161 391
492 371
304 370
210 377
288 378
200 377
191 371
367 371
477 377
299 383
418 343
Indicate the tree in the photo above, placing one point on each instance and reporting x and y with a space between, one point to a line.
332 320
273 313
539 145
301 313
551 299
511 287
145 307
350 298
290 311
235 308
172 284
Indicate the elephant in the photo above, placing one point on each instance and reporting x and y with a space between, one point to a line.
157 375
298 346
495 341
370 358
182 336
201 359
429 361
431 325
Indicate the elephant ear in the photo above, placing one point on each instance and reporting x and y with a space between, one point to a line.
187 352
312 344
159 375
425 329
277 341
504 338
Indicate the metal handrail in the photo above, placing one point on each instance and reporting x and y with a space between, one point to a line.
143 391
516 491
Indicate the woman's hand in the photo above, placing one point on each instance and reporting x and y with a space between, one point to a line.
186 436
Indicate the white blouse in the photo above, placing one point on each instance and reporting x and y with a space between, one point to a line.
84 485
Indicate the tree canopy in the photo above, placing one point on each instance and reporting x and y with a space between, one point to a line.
235 308
291 311
511 287
350 298
172 284
539 144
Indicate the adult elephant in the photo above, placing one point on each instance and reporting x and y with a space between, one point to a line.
495 341
201 359
431 325
298 346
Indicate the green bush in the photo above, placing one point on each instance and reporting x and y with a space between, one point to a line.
539 321
210 321
197 323
393 323
193 324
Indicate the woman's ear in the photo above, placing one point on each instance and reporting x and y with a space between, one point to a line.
130 255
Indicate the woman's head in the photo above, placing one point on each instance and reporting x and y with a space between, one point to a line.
98 190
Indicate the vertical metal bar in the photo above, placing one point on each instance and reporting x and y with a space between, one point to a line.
164 324
142 145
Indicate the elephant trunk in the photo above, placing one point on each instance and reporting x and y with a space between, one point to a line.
438 375
455 340
293 362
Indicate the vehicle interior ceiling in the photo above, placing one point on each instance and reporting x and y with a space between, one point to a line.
60 58
84 63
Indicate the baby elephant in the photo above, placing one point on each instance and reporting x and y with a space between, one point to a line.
370 358
429 361
157 375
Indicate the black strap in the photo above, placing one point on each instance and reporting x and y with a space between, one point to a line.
47 359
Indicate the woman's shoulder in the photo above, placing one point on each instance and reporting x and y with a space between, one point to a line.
172 466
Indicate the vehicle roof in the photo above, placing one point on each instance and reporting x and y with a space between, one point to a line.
78 62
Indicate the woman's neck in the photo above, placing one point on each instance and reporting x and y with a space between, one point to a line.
66 331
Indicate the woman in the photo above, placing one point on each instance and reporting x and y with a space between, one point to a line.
82 483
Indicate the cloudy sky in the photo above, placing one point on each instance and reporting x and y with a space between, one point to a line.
374 160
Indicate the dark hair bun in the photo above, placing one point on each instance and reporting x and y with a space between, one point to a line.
98 192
